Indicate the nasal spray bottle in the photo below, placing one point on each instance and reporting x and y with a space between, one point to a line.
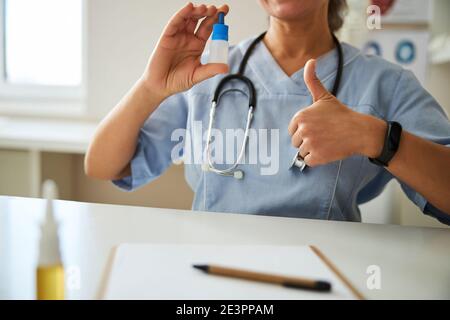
218 50
50 272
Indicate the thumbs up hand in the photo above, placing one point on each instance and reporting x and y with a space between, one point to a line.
328 131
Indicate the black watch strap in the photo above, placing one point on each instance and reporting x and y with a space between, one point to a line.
391 144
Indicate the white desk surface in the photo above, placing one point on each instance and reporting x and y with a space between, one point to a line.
414 262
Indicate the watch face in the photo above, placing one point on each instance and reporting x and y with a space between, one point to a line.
394 136
391 144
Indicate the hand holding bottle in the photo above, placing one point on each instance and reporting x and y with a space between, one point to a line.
175 63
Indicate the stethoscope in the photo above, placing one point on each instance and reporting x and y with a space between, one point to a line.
233 170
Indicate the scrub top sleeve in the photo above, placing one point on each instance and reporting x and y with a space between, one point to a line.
419 113
155 144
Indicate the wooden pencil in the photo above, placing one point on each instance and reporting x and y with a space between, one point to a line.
290 282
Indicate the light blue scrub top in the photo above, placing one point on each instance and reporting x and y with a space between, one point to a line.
369 85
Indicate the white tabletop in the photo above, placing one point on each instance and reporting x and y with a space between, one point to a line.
414 262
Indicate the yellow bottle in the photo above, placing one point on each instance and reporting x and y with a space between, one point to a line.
50 282
50 271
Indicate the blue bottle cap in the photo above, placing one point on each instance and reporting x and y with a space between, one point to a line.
220 29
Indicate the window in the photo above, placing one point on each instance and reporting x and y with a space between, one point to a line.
42 48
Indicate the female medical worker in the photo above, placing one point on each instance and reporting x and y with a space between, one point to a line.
292 68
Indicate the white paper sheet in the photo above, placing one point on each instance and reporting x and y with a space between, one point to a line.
147 271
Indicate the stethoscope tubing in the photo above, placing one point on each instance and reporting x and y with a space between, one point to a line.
298 161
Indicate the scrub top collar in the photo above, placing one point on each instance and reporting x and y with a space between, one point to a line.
275 81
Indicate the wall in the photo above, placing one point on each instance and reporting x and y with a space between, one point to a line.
15 182
439 75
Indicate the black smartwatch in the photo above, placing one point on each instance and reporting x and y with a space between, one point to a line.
391 144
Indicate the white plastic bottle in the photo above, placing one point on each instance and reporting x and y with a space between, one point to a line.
218 49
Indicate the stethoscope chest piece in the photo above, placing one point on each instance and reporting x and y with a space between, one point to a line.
299 163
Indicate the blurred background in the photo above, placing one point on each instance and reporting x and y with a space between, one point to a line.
65 63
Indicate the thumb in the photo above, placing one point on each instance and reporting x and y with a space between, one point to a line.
209 70
318 91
